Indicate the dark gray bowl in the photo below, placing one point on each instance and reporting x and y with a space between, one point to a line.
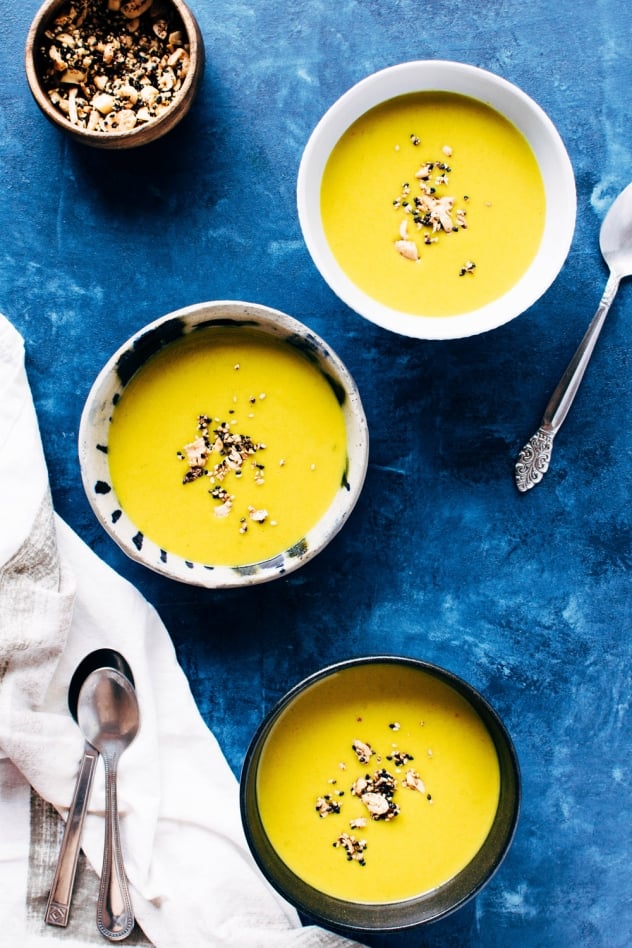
388 916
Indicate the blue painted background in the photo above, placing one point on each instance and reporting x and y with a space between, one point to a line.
528 597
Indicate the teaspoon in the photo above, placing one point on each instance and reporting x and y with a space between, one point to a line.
615 241
60 897
109 718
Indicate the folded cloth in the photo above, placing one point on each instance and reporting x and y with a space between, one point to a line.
193 881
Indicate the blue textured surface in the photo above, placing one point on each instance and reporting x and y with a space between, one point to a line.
528 597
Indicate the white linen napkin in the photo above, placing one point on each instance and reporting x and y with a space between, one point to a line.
193 881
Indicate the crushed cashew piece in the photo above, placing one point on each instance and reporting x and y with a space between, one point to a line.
407 249
325 805
353 847
413 781
259 516
363 751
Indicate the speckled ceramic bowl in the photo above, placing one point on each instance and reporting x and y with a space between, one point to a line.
342 682
179 74
503 97
132 356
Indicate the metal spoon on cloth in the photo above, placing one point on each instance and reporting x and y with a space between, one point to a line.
60 897
109 718
615 241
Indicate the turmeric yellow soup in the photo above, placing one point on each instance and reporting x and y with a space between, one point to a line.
227 447
433 204
378 784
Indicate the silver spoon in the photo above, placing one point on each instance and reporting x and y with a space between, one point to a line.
615 241
60 897
109 718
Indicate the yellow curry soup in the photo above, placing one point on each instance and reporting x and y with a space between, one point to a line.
426 743
227 447
433 204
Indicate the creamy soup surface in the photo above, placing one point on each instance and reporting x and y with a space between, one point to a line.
227 447
435 750
433 204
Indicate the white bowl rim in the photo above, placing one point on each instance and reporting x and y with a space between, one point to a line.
93 460
504 97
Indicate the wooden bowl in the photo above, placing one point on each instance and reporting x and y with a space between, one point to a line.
100 92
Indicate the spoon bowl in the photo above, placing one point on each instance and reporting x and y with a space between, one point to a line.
109 717
615 237
101 658
615 242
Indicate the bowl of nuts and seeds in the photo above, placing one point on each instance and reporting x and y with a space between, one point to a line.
114 73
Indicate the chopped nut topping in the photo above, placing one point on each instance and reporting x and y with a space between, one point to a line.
400 758
233 450
259 516
363 751
360 785
376 793
325 805
196 454
378 806
407 248
431 211
353 847
413 781
425 171
99 77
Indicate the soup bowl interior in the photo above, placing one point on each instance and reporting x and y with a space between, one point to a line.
506 99
365 915
154 339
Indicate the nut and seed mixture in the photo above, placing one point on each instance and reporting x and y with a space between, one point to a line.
113 65
376 791
427 209
236 454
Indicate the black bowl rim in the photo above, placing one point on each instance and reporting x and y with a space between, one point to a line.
342 915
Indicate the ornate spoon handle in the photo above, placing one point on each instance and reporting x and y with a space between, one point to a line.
534 458
58 908
115 916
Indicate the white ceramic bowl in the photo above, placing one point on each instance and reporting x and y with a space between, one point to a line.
122 366
526 116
